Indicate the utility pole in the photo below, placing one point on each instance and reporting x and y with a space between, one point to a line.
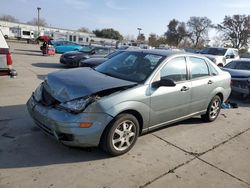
38 20
139 35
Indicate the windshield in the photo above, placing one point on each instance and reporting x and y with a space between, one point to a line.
131 66
214 51
112 54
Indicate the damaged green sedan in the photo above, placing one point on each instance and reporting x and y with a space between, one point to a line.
129 94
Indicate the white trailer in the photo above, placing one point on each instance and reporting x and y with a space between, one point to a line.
24 34
5 31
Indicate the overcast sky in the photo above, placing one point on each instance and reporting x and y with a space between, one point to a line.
123 15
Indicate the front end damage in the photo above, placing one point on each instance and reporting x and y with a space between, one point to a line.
62 119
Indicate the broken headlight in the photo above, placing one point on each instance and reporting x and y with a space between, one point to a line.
77 105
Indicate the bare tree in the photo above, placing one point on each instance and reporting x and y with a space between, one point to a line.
8 18
236 30
176 32
84 29
34 21
198 28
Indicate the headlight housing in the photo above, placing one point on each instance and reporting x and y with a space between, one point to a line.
38 93
77 105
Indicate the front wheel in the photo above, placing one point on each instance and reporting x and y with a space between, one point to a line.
213 109
121 135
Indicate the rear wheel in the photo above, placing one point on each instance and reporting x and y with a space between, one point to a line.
213 109
121 135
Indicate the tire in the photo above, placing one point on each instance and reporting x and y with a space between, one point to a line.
213 110
120 135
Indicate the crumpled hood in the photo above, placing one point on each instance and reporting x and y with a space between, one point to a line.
238 73
80 82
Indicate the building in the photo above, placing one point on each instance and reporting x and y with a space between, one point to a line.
55 33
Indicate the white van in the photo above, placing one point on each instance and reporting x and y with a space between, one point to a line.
5 58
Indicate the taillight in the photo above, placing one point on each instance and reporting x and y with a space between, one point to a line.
8 58
5 51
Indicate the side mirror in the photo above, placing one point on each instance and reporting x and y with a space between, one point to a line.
230 56
165 82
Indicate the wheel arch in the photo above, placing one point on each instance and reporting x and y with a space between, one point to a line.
221 96
135 113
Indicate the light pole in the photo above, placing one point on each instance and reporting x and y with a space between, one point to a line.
139 34
38 20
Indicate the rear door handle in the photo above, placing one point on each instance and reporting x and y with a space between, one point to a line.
210 82
184 88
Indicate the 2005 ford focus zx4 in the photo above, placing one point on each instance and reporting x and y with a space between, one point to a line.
132 93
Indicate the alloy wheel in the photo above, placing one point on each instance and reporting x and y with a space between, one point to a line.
214 109
124 135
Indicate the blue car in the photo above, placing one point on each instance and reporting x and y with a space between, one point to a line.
65 46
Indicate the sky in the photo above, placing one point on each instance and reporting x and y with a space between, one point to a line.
125 16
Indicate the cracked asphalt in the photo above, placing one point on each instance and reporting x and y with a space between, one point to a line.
187 154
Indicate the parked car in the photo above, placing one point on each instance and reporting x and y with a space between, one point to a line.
240 76
72 59
95 61
132 93
244 56
221 56
192 50
65 46
5 59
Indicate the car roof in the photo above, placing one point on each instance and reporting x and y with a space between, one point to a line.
158 51
220 48
242 60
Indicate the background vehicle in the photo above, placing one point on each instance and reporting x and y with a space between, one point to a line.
23 34
95 61
244 56
221 56
65 46
240 76
72 59
132 93
5 58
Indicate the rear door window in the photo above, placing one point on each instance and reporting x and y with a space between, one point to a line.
198 67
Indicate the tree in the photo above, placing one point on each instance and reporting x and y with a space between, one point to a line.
34 21
108 33
152 40
198 28
141 37
8 18
236 30
161 40
176 32
84 30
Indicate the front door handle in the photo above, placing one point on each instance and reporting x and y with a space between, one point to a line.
210 82
184 88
